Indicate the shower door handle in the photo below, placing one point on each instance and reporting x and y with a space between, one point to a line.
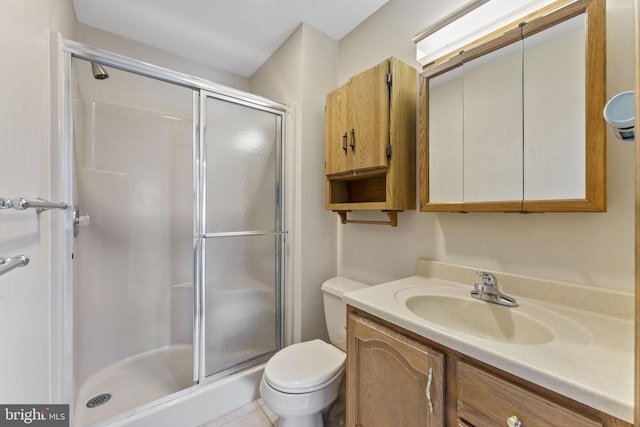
79 220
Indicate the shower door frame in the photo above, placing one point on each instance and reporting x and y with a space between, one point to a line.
62 378
201 234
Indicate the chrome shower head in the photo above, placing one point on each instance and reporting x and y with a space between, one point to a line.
99 72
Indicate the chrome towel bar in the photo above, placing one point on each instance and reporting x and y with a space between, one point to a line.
8 264
40 205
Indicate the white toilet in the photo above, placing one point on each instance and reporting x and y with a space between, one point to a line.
302 380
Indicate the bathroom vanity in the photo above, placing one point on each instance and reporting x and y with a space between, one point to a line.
422 352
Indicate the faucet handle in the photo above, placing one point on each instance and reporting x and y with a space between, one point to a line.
488 279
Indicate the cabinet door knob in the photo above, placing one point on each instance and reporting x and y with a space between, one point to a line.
513 421
344 142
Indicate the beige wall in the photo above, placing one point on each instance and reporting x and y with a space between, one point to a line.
299 74
27 120
590 248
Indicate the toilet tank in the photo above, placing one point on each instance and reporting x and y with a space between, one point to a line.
335 310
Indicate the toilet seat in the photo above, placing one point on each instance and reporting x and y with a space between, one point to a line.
304 367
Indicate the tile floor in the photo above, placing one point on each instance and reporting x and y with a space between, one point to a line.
255 414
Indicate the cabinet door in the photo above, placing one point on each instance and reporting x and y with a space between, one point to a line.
368 110
555 132
492 126
392 380
446 137
336 154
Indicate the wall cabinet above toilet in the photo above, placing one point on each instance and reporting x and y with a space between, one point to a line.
370 140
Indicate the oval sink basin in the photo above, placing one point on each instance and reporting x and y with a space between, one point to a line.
479 318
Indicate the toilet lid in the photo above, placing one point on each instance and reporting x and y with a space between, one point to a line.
300 367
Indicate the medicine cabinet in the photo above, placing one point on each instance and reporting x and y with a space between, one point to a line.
513 124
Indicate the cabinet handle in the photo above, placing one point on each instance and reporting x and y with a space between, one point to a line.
344 142
513 421
353 140
429 383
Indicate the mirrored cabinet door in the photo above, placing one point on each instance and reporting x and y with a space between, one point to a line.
554 112
492 87
446 115
514 123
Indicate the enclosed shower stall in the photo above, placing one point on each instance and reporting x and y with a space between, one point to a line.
179 251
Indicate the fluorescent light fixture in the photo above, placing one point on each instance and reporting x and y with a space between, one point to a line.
475 20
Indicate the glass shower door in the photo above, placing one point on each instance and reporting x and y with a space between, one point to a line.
241 234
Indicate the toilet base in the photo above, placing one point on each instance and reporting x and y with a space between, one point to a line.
314 420
303 409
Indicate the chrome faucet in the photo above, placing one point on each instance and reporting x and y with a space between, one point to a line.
488 291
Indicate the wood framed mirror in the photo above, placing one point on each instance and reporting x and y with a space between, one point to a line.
514 123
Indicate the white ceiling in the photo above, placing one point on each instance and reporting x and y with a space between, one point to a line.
231 35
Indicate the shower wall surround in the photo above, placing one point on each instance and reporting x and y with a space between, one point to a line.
134 181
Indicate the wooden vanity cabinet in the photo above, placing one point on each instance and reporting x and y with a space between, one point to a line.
388 377
370 140
392 380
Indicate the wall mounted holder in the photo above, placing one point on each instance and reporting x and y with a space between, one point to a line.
619 114
9 263
40 205
393 219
